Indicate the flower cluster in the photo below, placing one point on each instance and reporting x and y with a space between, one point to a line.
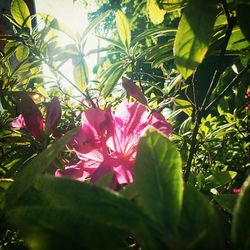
107 142
31 117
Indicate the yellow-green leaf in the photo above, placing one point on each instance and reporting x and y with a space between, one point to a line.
156 14
122 25
194 34
20 12
22 52
80 73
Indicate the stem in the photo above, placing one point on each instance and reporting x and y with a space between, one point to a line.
192 147
229 86
217 72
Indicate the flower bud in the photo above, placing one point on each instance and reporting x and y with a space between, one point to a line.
133 90
53 115
32 116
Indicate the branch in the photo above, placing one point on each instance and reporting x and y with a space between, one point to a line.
229 86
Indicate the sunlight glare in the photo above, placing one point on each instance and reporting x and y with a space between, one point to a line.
73 16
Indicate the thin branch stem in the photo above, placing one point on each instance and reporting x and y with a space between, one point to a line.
229 86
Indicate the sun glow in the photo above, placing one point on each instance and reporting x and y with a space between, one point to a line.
74 17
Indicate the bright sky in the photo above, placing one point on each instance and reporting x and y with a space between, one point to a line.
74 16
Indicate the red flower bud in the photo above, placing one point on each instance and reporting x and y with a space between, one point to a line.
53 115
32 116
133 90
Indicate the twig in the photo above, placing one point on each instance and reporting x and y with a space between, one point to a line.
229 86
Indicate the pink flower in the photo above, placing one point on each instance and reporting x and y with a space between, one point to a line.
32 120
236 190
108 142
18 122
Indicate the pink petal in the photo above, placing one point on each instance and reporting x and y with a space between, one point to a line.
77 172
18 122
158 121
32 116
53 114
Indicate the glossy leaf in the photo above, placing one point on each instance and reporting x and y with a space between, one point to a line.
22 52
243 10
199 226
20 12
37 166
158 178
241 221
156 14
99 205
122 25
80 73
194 33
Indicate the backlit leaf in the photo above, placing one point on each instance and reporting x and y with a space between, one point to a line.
22 52
194 33
158 178
122 25
156 14
20 12
80 73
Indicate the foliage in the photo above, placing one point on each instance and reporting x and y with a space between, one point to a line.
186 60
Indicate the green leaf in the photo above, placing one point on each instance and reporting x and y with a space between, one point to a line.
243 10
20 12
80 73
240 230
199 226
158 178
115 74
184 105
99 205
227 201
219 179
64 228
123 28
156 14
39 164
22 52
194 33
172 5
237 40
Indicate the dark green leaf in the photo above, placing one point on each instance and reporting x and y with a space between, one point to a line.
243 10
199 226
64 228
194 34
36 167
227 201
158 178
241 221
99 205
